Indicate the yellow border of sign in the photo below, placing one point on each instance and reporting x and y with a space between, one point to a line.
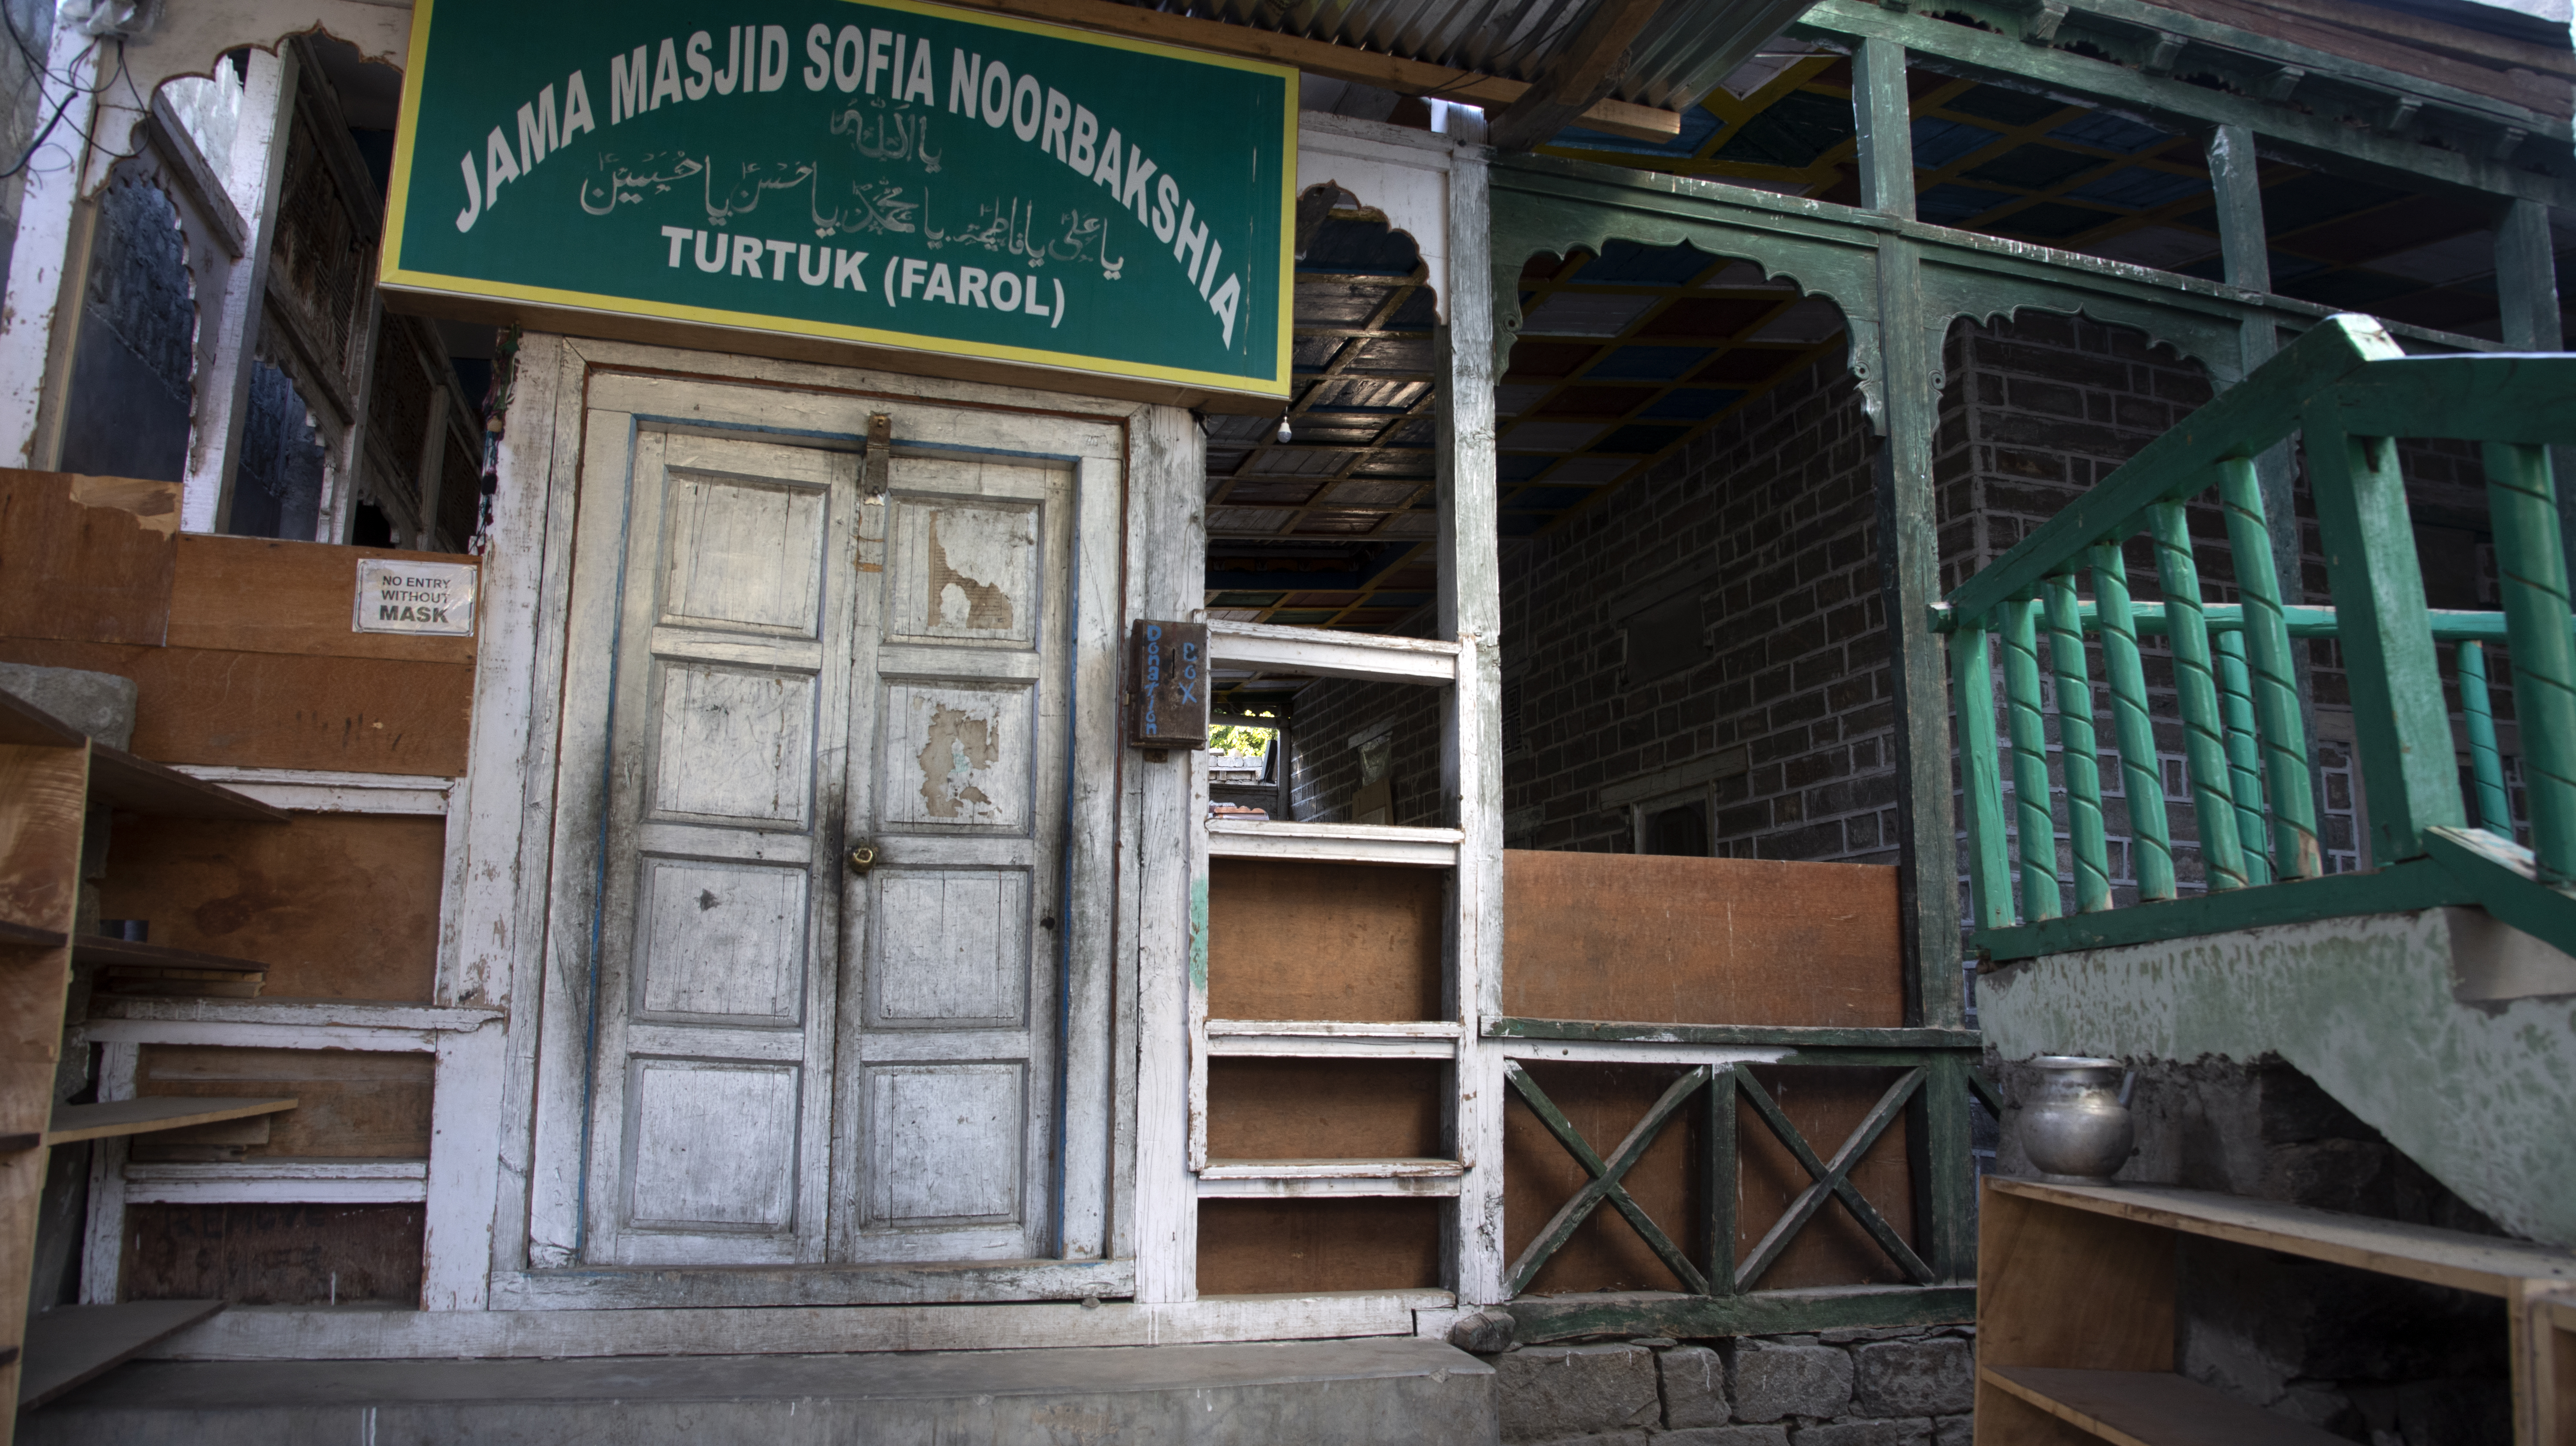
390 270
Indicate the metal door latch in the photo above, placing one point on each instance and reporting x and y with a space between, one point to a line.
863 858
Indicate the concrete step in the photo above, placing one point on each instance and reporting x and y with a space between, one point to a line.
1314 1393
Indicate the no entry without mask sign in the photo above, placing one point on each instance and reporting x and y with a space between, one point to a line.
893 174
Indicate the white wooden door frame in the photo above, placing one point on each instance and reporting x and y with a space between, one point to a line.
1138 474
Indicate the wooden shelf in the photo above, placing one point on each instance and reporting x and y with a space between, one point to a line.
2480 1263
157 1112
1331 1039
1317 653
26 936
101 949
142 786
1314 1179
2151 1408
1342 843
74 1344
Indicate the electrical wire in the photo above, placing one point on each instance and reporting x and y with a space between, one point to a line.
72 90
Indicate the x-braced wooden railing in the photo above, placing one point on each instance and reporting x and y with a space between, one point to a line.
1943 1073
2351 393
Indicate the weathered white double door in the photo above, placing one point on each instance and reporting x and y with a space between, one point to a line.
828 853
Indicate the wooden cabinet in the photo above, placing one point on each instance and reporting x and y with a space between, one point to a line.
50 777
2075 1312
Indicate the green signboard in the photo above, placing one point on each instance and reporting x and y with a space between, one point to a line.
891 173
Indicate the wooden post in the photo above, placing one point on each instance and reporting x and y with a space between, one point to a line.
253 174
2527 287
2245 252
50 258
1169 543
1908 550
1909 554
1471 740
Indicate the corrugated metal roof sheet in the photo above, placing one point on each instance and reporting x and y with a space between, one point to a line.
1681 55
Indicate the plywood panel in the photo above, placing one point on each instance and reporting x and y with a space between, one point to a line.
1298 1109
1700 941
259 595
1269 1247
349 1105
270 710
87 558
2072 1289
274 1254
1323 941
1605 1101
338 906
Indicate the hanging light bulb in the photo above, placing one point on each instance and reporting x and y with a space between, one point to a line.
1283 428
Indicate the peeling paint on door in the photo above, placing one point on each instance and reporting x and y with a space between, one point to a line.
966 588
959 745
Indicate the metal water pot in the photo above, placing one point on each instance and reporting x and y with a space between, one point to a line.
2075 1126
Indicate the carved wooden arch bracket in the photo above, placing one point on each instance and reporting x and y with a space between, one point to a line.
1542 204
192 40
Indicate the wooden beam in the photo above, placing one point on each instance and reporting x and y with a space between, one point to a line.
1323 57
1575 77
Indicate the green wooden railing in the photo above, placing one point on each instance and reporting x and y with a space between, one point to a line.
2348 390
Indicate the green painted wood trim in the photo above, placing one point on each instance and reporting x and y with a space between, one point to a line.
2513 398
1945 1168
2500 876
1722 1168
2141 779
1539 1320
2081 758
1986 1093
2222 857
2401 726
2245 419
2236 183
2522 506
1604 1187
2394 889
2034 827
2447 625
1972 680
2495 806
2311 138
1831 1179
2280 722
1795 1036
1886 130
2244 755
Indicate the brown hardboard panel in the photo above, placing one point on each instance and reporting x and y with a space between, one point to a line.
1319 1109
272 710
1700 941
338 906
1323 941
1605 1101
1302 1247
259 595
349 1104
263 1254
87 559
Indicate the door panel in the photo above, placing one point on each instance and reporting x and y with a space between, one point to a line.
722 891
947 1035
799 1060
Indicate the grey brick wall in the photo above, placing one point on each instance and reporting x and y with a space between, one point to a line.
1775 514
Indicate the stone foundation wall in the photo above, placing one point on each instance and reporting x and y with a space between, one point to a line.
1910 1387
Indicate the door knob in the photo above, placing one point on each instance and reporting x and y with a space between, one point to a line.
863 858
